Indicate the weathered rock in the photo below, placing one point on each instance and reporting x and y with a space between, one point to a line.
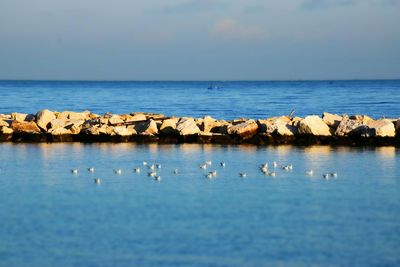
362 119
43 118
187 126
281 126
71 115
135 117
332 120
245 130
146 127
20 117
211 125
124 131
94 130
25 127
60 131
4 123
314 125
382 128
349 127
115 120
56 123
6 130
168 126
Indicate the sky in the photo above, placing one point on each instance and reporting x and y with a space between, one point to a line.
199 39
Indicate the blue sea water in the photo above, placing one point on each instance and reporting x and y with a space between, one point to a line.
230 100
49 217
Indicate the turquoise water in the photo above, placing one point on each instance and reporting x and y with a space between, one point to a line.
50 217
231 100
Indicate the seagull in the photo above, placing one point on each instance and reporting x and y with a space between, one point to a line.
222 164
264 170
274 164
176 171
144 163
309 172
152 167
326 176
273 174
157 178
74 171
137 170
209 176
152 174
91 169
97 181
158 166
243 174
333 174
203 166
263 166
118 171
208 162
214 173
286 168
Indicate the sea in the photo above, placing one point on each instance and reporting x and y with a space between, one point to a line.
50 216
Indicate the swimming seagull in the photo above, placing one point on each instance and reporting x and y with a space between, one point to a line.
137 170
222 164
209 176
152 174
264 166
208 162
157 178
326 176
274 164
144 163
273 174
158 166
333 174
118 171
152 167
203 166
91 169
74 171
97 181
264 170
309 172
242 174
214 173
176 171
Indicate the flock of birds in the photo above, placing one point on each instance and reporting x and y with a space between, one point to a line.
265 168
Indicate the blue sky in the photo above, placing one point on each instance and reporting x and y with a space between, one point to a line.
199 39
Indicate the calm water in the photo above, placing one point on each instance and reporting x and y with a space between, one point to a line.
50 217
232 100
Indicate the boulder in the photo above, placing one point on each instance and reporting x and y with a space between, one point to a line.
147 127
4 123
382 128
281 126
60 131
332 120
245 129
211 125
362 119
314 125
43 118
349 127
124 131
168 126
115 120
57 123
22 117
6 130
25 127
187 126
135 117
71 115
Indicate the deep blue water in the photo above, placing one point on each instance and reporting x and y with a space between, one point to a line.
231 100
50 217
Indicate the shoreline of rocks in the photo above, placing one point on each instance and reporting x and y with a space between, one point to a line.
69 126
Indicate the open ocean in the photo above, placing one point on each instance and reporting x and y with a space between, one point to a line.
50 217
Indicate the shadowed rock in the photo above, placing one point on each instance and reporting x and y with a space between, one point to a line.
43 118
245 129
187 126
25 127
332 120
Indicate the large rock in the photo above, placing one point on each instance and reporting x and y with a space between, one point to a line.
43 118
245 129
57 123
60 131
168 126
22 117
71 115
349 127
362 119
135 117
25 127
332 120
6 130
281 126
115 120
4 123
146 127
382 128
211 125
187 126
314 125
124 131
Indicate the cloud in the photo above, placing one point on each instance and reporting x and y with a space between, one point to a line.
229 29
196 6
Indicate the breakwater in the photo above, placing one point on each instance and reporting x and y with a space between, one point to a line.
68 126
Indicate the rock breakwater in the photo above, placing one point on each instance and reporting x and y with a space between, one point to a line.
69 126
